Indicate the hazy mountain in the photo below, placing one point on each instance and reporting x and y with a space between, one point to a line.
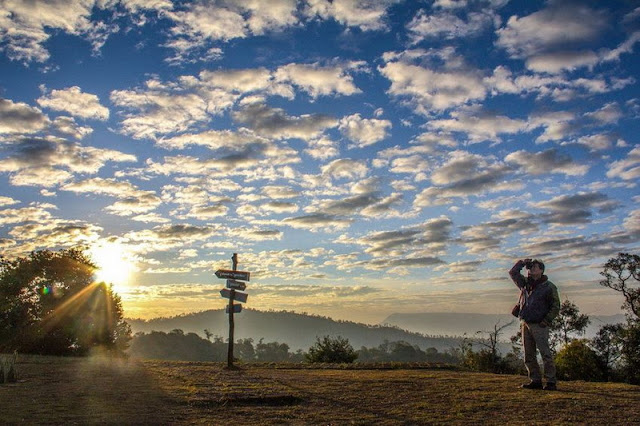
299 331
457 324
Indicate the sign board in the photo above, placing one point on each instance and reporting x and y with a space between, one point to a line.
234 275
238 295
236 309
236 285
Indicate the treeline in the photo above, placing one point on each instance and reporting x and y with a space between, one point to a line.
177 345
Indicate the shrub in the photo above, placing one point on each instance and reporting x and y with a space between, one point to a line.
334 350
577 361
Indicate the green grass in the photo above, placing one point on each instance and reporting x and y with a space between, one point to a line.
100 390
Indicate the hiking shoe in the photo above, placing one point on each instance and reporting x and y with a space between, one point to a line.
532 385
550 387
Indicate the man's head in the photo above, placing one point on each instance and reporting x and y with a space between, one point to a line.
536 268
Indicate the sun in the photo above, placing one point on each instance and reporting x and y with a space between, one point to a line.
115 263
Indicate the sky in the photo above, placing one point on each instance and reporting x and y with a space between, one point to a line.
362 158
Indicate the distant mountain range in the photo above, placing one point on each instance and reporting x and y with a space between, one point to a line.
457 324
442 331
299 331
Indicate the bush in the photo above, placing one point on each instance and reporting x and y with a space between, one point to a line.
577 361
334 350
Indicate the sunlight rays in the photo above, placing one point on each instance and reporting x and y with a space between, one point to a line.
114 263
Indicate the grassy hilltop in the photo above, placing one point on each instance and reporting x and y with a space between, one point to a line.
99 390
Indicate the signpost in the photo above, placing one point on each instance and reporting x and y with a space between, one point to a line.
233 274
236 309
233 291
236 295
236 285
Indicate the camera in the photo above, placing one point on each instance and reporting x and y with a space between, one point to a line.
528 263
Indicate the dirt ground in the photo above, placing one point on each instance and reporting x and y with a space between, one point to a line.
105 391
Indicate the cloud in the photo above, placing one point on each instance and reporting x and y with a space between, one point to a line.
20 118
627 168
274 122
345 168
279 207
344 207
169 236
479 125
319 81
67 126
131 199
198 24
279 192
226 140
23 25
75 102
560 24
575 209
598 142
545 162
317 221
430 89
141 202
364 132
36 227
159 110
7 201
610 113
555 38
462 175
57 159
368 15
239 81
34 213
445 25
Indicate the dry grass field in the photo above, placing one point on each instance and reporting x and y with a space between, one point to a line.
98 390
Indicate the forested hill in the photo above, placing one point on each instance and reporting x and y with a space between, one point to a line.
299 331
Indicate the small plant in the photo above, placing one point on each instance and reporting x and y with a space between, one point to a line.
8 372
12 375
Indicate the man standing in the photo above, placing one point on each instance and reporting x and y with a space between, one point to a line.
539 305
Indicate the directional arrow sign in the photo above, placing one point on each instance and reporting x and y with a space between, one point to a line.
239 296
236 285
234 275
236 309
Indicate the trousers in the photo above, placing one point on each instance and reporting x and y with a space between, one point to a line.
536 337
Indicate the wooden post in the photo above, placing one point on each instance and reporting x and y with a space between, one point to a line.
234 260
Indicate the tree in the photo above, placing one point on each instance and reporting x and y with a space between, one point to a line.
50 304
244 349
577 361
622 274
607 344
208 334
488 359
272 351
568 321
336 350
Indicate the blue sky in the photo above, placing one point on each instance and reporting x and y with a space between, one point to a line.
361 157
